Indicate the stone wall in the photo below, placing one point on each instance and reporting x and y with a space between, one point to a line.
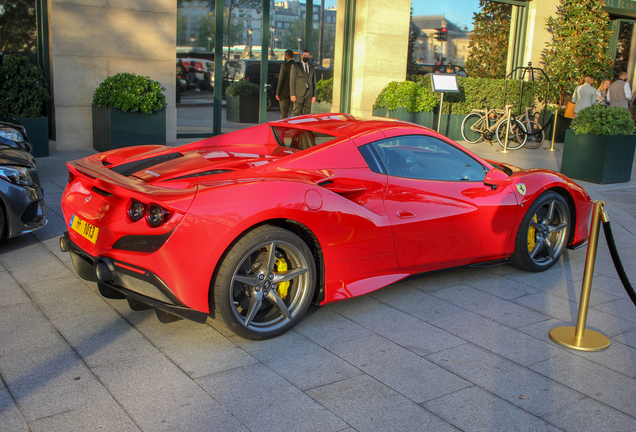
93 39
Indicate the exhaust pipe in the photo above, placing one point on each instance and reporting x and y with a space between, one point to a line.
64 244
103 273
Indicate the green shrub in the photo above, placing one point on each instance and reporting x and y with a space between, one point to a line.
600 120
23 89
129 92
324 90
474 93
243 88
406 94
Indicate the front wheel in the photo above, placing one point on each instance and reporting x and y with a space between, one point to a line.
471 128
265 283
535 135
543 233
516 136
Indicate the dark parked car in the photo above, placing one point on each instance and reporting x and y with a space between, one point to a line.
21 195
250 70
423 69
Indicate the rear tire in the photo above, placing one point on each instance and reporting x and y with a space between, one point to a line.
265 283
535 135
516 136
469 135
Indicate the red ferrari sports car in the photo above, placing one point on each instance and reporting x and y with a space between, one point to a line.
252 226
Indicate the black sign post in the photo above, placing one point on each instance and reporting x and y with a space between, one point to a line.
443 83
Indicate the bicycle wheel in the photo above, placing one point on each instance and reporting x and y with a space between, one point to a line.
516 137
535 135
471 128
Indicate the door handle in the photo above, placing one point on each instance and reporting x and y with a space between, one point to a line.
404 214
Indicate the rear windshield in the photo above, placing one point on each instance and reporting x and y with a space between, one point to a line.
300 138
234 70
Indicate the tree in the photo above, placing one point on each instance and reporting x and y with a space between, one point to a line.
18 29
241 5
580 36
289 37
489 41
411 64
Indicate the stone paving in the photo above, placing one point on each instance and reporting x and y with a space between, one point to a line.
466 349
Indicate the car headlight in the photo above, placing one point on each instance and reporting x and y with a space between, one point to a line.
16 175
11 134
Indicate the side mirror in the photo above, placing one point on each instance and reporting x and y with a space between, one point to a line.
496 177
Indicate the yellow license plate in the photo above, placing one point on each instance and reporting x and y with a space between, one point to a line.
84 229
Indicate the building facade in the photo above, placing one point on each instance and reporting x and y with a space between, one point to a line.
83 42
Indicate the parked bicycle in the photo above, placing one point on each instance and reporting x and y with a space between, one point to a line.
534 133
486 124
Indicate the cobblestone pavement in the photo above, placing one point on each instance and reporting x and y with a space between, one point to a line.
466 349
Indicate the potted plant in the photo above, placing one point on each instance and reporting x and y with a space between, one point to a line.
128 110
324 95
242 102
600 146
23 92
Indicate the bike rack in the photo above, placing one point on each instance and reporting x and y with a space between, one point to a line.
531 70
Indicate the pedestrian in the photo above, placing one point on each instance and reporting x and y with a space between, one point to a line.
303 85
601 93
282 90
584 95
619 93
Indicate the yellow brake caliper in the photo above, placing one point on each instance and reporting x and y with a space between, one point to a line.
281 266
531 235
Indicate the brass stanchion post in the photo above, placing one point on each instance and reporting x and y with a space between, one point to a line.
580 338
505 150
556 112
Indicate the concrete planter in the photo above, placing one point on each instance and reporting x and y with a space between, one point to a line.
401 113
321 107
598 158
37 129
242 109
425 118
113 128
451 126
380 112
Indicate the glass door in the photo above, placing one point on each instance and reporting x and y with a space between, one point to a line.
624 47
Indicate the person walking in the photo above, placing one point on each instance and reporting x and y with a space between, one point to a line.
584 95
601 93
303 85
282 90
619 93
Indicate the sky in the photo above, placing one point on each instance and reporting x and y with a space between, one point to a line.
459 12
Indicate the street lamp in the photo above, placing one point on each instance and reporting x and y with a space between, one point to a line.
249 34
209 40
271 42
299 39
192 42
275 41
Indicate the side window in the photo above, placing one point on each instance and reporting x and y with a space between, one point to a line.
424 157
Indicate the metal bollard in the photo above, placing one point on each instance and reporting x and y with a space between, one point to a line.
556 112
580 338
505 150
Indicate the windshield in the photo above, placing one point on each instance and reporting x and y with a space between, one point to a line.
300 138
234 70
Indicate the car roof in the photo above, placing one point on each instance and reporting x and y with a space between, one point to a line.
347 125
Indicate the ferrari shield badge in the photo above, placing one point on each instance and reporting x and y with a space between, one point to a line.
521 188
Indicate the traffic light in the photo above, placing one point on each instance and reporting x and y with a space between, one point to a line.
438 35
443 34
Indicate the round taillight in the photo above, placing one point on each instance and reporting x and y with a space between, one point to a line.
155 216
136 210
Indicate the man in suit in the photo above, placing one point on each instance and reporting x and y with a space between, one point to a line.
282 90
303 85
